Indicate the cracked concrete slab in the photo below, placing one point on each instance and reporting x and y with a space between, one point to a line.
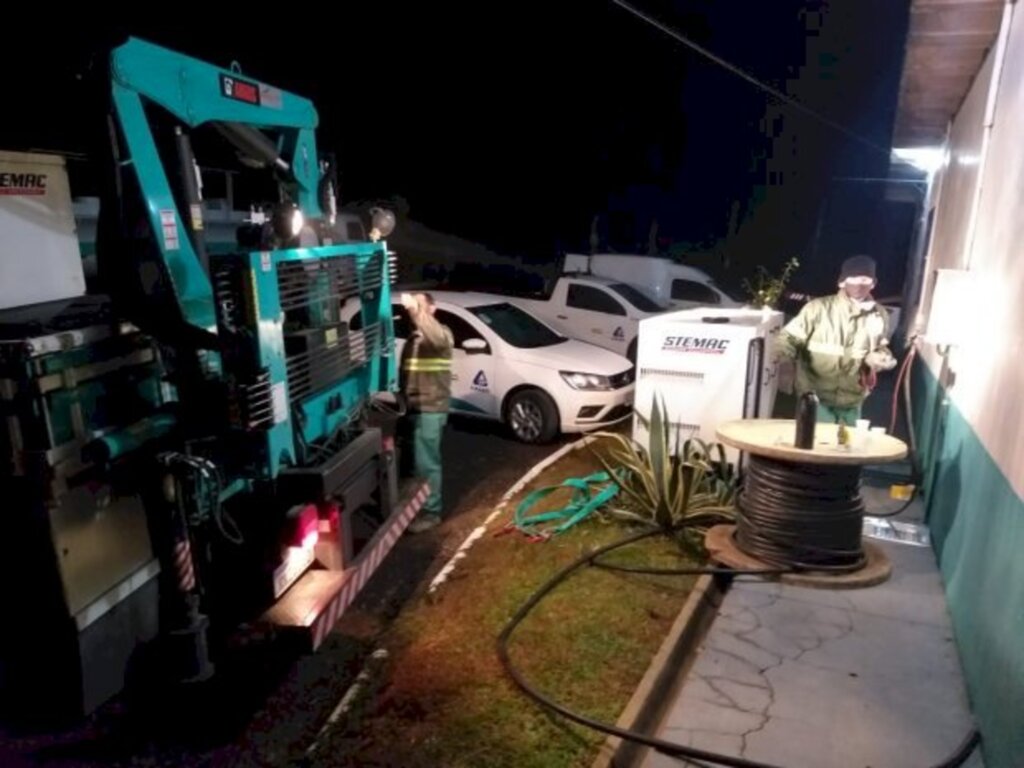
800 677
714 663
707 740
696 714
748 698
914 591
742 620
744 648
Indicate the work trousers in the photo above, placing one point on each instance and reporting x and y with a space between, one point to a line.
427 431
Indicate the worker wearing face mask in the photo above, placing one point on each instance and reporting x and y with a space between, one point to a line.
839 343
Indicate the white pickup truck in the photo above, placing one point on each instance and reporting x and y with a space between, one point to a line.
595 309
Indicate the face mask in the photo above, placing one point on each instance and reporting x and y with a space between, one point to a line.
858 291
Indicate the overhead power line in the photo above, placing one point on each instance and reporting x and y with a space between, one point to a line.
741 73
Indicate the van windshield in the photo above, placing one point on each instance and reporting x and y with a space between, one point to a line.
639 300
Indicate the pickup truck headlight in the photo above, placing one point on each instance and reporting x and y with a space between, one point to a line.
591 381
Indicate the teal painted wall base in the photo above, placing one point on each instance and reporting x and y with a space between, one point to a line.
977 526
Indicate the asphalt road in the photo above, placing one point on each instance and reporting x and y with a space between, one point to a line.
266 704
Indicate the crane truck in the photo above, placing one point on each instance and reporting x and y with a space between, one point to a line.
190 445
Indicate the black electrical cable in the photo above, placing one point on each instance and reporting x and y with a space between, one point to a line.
666 747
687 571
678 751
908 410
801 516
962 752
900 509
398 410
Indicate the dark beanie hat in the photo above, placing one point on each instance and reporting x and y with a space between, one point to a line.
858 266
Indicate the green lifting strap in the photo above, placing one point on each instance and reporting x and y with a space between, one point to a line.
583 504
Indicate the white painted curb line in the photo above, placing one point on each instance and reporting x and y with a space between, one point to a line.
481 529
345 703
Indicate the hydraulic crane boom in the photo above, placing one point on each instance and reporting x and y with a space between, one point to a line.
197 93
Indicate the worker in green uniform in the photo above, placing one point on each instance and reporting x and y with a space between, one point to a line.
426 376
839 343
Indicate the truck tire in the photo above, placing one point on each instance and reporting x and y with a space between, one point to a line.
532 416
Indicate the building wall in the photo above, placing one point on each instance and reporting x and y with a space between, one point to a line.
976 489
958 178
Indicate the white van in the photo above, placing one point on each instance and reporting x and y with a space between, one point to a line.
673 285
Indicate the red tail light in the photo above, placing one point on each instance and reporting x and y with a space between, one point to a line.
303 529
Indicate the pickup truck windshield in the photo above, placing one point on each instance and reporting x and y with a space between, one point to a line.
636 298
518 328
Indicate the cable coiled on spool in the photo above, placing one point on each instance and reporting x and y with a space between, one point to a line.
801 516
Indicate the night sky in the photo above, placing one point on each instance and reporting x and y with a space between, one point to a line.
512 124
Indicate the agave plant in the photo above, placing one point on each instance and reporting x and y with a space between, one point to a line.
671 482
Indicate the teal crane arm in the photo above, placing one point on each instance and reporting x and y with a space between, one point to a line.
198 93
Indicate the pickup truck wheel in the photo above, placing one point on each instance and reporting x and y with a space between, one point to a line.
532 416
